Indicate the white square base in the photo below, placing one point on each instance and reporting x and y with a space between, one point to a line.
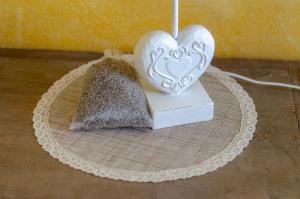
191 106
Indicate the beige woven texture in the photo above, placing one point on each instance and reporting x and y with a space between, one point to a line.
152 155
148 150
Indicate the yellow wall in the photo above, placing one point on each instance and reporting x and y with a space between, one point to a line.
242 28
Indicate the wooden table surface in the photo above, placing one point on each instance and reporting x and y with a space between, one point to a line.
268 168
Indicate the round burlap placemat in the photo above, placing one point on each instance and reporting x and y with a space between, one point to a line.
147 155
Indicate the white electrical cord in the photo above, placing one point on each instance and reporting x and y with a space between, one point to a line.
262 82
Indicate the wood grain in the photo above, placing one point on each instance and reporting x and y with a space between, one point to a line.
268 168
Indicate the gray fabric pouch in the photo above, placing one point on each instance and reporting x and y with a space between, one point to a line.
111 97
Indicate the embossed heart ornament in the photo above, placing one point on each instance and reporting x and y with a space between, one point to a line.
173 65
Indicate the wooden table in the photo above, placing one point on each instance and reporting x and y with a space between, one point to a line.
268 168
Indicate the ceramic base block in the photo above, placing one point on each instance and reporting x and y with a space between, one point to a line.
191 106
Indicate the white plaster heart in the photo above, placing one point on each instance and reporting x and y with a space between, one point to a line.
173 65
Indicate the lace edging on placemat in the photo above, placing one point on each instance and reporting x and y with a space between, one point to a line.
49 144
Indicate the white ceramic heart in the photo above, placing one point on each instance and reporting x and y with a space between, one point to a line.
173 65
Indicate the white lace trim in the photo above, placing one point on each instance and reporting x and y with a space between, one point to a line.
49 144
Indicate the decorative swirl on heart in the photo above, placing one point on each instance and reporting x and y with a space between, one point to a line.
155 54
175 81
199 46
178 53
153 72
199 49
